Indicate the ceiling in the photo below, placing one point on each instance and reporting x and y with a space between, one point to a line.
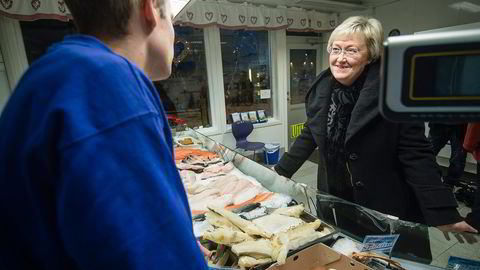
328 6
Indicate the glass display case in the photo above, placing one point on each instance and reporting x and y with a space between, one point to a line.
418 246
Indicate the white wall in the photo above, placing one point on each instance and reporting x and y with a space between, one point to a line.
4 85
411 16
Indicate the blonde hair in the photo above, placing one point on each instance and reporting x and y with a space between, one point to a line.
370 28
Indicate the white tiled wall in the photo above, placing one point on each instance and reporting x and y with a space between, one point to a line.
4 86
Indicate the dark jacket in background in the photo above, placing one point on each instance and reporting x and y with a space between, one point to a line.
392 165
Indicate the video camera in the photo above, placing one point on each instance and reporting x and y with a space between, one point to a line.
432 77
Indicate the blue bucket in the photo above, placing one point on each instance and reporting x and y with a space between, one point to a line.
271 152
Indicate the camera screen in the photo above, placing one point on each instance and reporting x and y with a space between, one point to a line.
445 76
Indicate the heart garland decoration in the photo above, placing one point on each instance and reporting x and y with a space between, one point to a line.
6 4
36 4
61 6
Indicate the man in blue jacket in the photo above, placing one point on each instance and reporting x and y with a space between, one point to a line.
87 176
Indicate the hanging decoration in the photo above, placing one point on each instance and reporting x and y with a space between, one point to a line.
247 16
30 10
201 13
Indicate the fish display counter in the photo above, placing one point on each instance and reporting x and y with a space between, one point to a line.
247 216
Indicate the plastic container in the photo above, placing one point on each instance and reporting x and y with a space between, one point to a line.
271 152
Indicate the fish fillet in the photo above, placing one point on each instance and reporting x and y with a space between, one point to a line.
303 229
246 194
281 248
215 168
300 241
202 195
275 224
261 247
226 236
213 200
291 211
247 261
244 225
219 221
220 168
242 184
184 166
231 183
295 238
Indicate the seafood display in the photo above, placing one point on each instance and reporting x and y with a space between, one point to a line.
214 187
210 181
294 211
184 152
275 223
248 244
242 222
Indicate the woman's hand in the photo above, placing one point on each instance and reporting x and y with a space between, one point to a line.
461 226
461 231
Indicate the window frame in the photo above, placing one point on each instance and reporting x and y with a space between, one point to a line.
216 83
13 50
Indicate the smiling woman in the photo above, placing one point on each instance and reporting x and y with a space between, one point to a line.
385 166
352 46
348 58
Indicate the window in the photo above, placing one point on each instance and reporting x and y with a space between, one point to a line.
39 35
185 94
303 69
246 71
4 86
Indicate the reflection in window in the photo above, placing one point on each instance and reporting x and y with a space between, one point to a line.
39 35
303 69
246 71
185 94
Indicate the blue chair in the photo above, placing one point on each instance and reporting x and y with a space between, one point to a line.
241 130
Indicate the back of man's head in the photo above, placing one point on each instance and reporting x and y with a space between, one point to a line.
107 18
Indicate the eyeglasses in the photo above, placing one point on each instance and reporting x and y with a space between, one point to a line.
348 52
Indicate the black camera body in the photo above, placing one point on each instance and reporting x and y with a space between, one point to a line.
432 77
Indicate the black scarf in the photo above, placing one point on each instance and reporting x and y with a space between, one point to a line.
342 101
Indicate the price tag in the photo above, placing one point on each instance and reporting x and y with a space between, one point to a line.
382 243
458 263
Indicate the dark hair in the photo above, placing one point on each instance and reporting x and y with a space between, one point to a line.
105 17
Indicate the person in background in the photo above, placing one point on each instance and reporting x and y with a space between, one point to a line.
385 166
87 175
471 144
439 134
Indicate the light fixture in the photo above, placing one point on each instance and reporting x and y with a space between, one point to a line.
466 6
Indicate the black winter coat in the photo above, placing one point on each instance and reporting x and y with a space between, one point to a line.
392 166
